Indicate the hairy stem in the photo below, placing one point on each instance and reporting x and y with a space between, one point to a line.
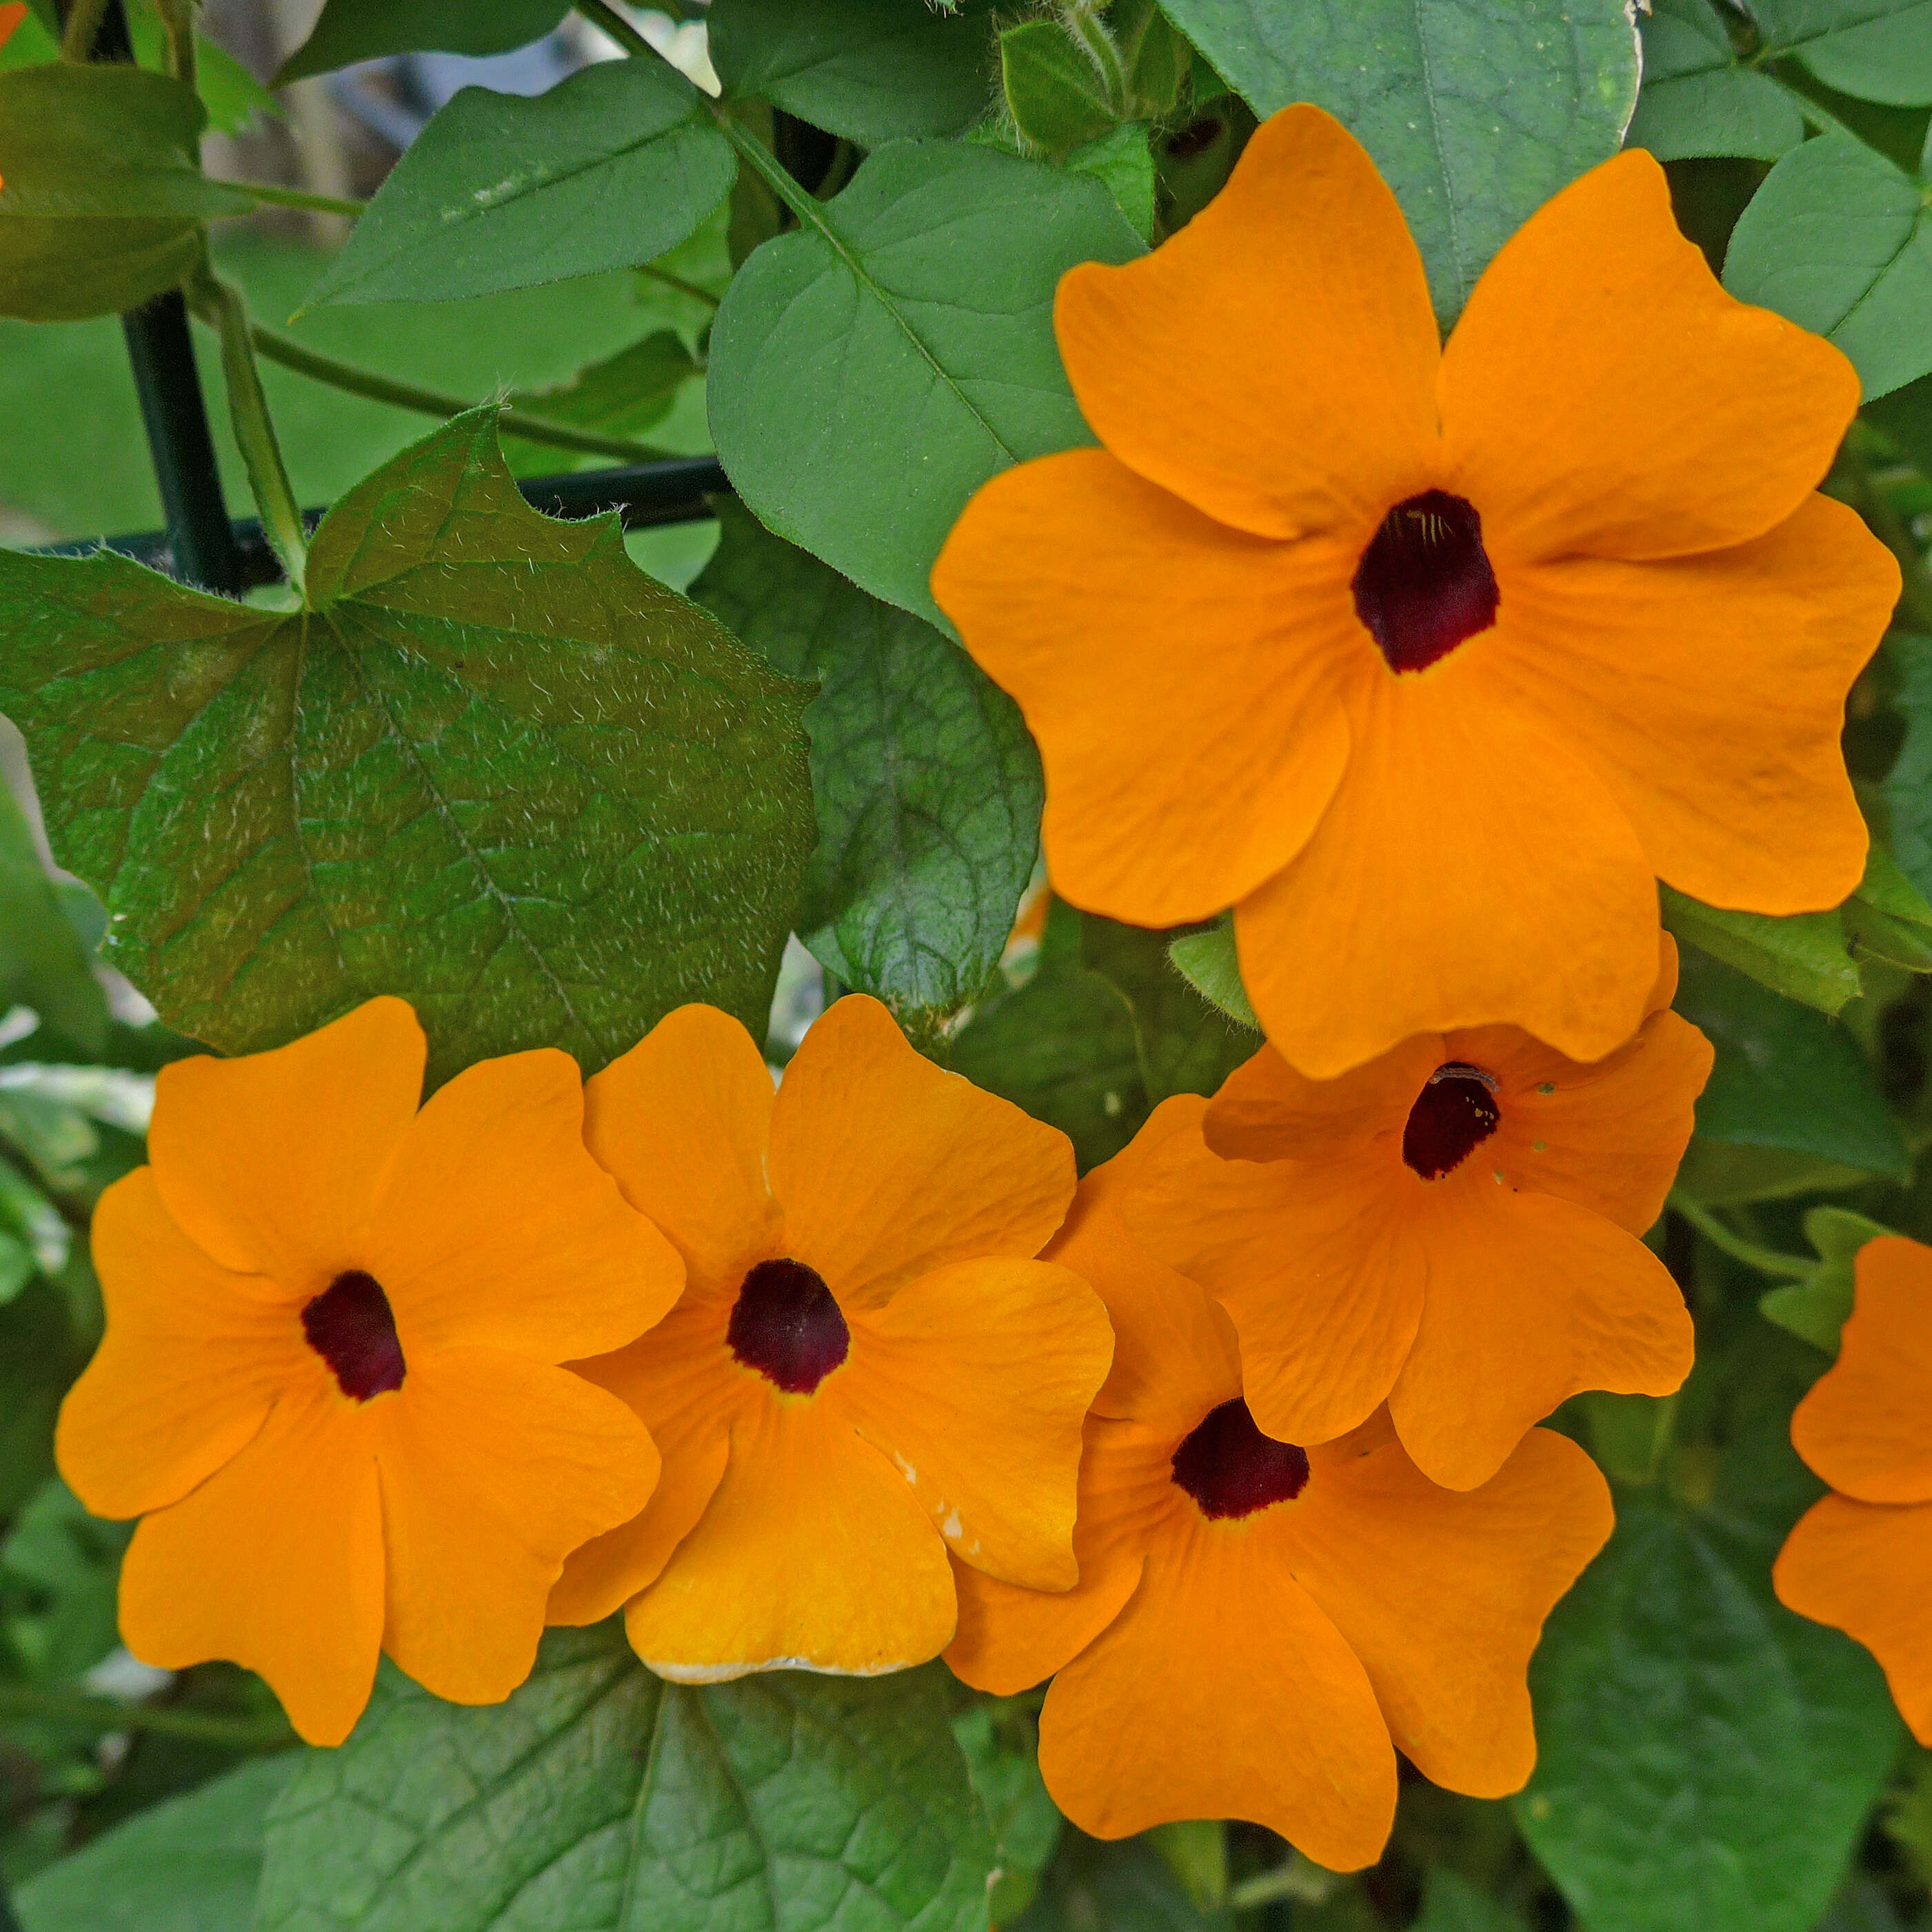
1082 20
213 299
178 25
532 428
678 283
1766 1261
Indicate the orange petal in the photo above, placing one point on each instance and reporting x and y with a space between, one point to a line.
1530 1300
1274 362
271 1162
1442 1595
974 1381
1470 870
1320 1266
1866 1569
11 15
192 1360
680 1378
1266 1110
1608 1134
1708 694
1864 1426
275 1563
493 1469
1222 1691
1174 1353
497 1230
887 1168
683 1120
1122 620
1010 1638
814 1555
1602 394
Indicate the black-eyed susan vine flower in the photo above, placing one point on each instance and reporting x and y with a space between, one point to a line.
329 1386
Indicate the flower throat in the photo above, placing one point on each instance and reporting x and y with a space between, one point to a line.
1452 1116
1424 584
1231 1469
350 1326
785 1324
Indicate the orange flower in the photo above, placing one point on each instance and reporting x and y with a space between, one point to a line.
10 17
1426 660
1452 1229
1861 1558
868 1366
328 1385
1255 1622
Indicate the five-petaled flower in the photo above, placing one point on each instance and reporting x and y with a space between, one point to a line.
869 1366
1428 660
328 1384
1256 1621
1452 1229
1861 1558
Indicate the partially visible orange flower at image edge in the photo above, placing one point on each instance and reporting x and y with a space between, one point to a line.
329 1385
10 17
1429 660
1258 1626
870 1367
1453 1228
1861 1558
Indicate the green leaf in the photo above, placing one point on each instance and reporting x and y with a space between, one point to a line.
871 71
1873 50
1720 1175
71 1562
1159 62
101 197
870 371
1125 1886
1063 1046
1207 962
1908 790
1185 1045
1053 89
1887 918
1706 1759
496 770
1002 1759
359 30
1476 111
1698 98
232 95
625 395
1123 159
1450 1903
17 1268
33 1221
927 786
1195 1850
1805 957
1837 240
1785 1076
1814 1308
189 1864
601 1799
42 963
611 168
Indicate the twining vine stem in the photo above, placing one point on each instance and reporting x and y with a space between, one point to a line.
1766 1261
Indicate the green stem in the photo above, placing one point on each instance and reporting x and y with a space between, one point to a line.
1766 1261
178 25
295 197
678 283
103 1715
1082 20
345 376
83 26
765 166
214 300
614 24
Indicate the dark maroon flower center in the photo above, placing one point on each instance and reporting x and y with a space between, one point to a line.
1452 1117
1424 584
349 1326
1230 1468
785 1324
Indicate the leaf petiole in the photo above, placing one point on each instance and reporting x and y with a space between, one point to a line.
614 24
1766 1261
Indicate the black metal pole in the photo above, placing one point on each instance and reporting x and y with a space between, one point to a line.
201 543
